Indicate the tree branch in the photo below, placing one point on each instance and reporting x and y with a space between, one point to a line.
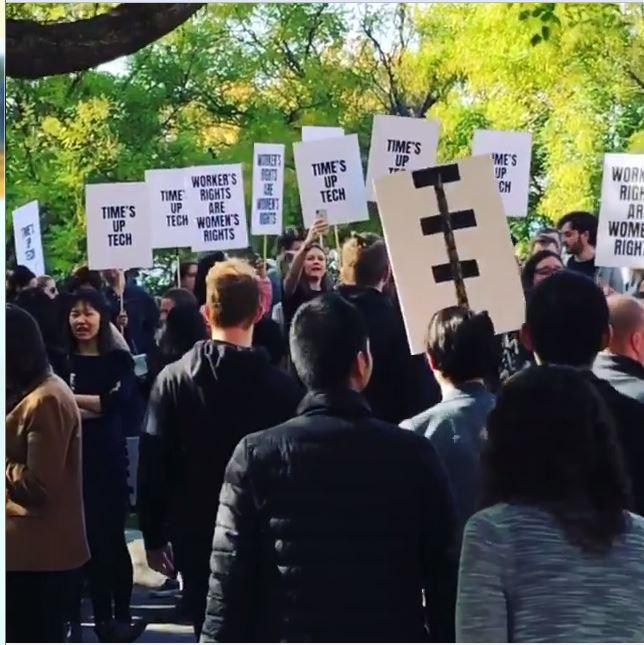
37 50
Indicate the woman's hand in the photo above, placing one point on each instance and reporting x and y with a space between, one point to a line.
320 227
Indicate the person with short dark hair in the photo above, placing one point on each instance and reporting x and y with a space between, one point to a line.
579 234
554 556
333 525
188 275
84 278
567 323
200 407
463 352
203 267
401 384
539 267
622 362
20 278
546 239
45 527
288 244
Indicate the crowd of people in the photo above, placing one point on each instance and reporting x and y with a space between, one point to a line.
305 476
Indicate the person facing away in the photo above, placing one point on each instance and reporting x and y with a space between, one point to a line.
141 314
462 352
20 278
579 235
102 379
44 522
397 388
188 275
554 556
622 362
333 525
567 323
200 407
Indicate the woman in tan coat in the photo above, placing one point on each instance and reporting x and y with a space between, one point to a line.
45 528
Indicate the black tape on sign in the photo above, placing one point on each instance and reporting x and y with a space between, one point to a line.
429 176
443 272
458 219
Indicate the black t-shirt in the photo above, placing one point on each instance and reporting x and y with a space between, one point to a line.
303 293
587 267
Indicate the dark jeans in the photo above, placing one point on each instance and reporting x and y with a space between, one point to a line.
36 606
109 571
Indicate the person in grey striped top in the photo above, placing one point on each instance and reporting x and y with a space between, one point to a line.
553 557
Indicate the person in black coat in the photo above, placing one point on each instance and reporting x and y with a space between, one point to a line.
333 525
200 407
401 385
567 323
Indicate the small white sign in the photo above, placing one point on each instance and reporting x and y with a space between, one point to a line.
26 235
317 132
170 222
118 226
268 188
511 153
215 196
414 232
400 143
330 180
620 233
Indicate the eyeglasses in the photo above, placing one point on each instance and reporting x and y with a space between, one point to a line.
546 271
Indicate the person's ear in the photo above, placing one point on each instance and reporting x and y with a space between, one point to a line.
525 335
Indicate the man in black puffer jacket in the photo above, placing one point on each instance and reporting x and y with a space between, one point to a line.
200 408
401 385
334 525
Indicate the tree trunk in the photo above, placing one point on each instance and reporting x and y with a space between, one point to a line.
35 50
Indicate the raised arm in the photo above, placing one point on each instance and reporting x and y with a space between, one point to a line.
320 227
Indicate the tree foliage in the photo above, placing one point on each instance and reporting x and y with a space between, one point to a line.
235 74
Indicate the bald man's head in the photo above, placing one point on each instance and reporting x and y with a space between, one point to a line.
627 323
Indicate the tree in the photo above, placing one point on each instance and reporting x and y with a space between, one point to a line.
38 49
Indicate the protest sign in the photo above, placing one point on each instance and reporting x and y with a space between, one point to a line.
170 222
317 132
449 244
215 196
118 226
330 178
511 152
268 188
26 236
620 232
400 143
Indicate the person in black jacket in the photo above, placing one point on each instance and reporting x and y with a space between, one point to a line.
567 323
401 385
333 525
200 407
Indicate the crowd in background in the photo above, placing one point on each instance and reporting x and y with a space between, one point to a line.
305 475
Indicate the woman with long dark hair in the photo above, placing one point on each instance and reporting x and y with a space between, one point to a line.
306 277
102 379
45 531
554 556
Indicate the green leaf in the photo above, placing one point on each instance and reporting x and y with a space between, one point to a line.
545 32
524 15
535 40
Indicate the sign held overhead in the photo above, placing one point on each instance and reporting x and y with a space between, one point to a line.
268 189
26 237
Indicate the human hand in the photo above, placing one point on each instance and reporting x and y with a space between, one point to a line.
161 560
320 227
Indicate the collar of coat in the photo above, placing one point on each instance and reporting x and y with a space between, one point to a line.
339 402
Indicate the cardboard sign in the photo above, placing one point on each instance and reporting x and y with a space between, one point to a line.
215 197
417 240
620 233
118 226
26 236
317 132
511 153
400 143
170 222
268 188
330 178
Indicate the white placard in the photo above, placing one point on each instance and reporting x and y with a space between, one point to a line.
511 153
330 178
27 240
118 226
268 189
215 197
170 222
417 248
400 143
317 132
620 233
